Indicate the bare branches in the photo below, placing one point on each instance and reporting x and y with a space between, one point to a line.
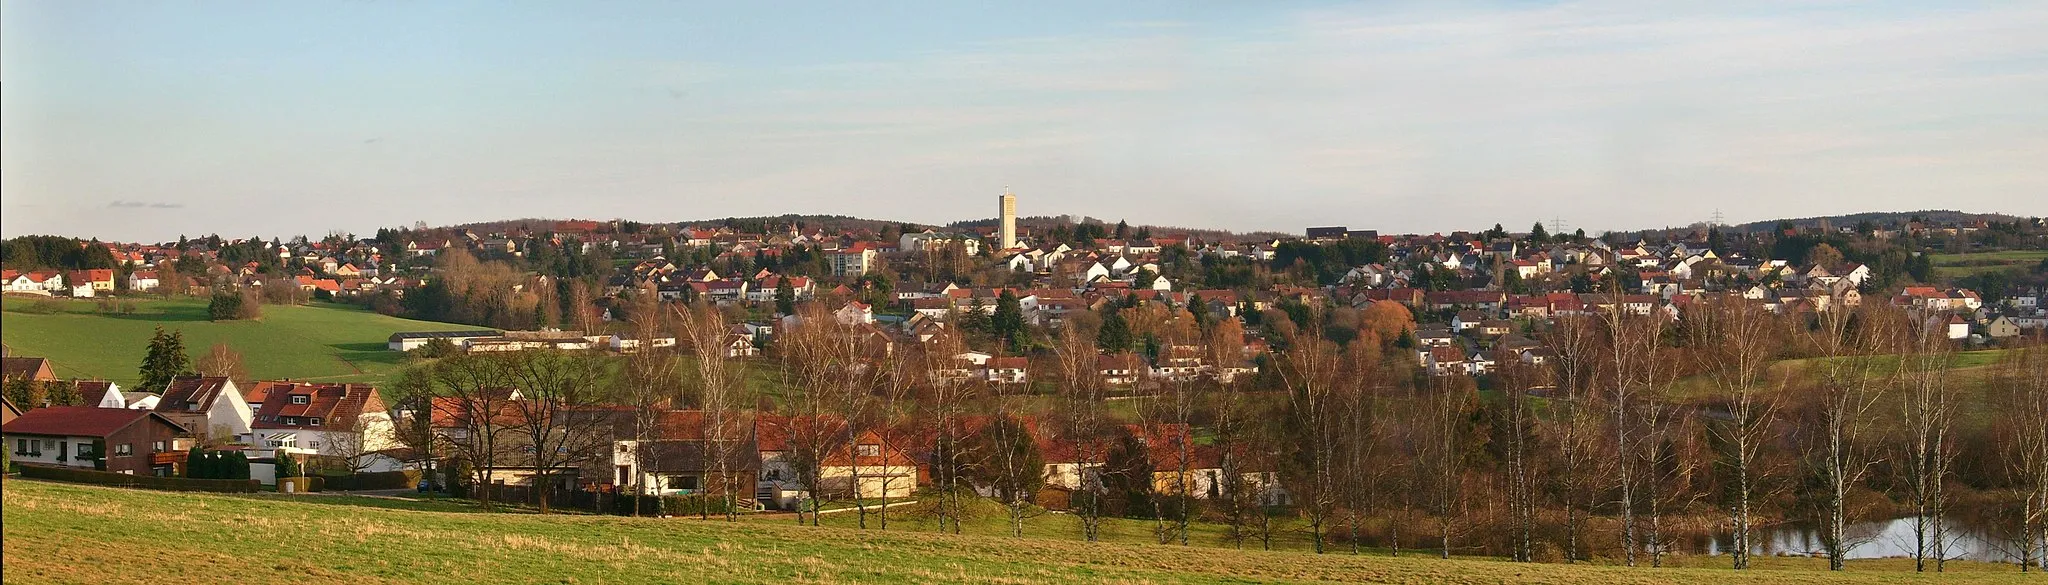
1733 343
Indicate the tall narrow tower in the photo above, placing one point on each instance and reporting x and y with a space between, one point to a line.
1007 238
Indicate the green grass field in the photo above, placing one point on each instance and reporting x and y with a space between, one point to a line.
60 533
1949 266
320 341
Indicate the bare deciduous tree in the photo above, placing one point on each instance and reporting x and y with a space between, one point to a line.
1927 413
221 360
1569 424
1732 343
557 421
649 383
1311 370
1851 377
474 396
1083 424
2021 381
719 383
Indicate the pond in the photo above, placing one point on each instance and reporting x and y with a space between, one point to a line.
1876 540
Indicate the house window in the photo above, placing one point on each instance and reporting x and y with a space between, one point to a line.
313 444
124 449
869 450
316 421
686 483
291 420
300 399
156 447
192 406
21 447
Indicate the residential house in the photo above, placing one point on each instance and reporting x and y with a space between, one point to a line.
764 292
33 368
64 436
1956 327
98 279
1008 370
111 396
2001 328
874 464
208 405
341 420
1444 360
142 280
1120 369
855 313
36 282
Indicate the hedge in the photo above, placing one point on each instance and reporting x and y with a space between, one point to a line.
680 505
382 480
142 481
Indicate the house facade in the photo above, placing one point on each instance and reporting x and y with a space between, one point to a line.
206 405
341 420
65 436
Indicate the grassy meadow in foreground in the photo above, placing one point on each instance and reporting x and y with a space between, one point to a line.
320 341
60 533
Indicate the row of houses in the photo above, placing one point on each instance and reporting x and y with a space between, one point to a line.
760 454
145 433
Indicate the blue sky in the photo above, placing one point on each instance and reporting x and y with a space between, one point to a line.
146 120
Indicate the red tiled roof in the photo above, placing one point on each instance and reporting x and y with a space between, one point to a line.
337 404
79 421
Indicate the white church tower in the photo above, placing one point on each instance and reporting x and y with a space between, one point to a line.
1007 238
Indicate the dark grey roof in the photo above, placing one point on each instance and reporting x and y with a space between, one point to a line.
443 334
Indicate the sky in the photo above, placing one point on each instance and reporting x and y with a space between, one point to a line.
140 121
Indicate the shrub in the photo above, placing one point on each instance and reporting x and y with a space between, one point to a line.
196 464
382 480
141 481
649 505
288 466
692 505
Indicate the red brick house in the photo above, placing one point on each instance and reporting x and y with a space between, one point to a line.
63 436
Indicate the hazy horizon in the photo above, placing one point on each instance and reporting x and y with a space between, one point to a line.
139 122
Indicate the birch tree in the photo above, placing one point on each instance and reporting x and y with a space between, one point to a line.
1927 411
718 381
1310 368
2020 381
1732 343
1851 379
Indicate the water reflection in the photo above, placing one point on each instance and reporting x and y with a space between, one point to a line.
1876 540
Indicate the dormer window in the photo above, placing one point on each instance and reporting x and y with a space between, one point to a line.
291 420
301 399
316 421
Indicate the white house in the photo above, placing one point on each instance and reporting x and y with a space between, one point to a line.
142 281
342 420
855 313
208 405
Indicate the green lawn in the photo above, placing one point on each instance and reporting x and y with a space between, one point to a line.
1949 266
320 341
60 533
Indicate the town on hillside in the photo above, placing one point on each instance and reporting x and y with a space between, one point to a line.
1295 383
